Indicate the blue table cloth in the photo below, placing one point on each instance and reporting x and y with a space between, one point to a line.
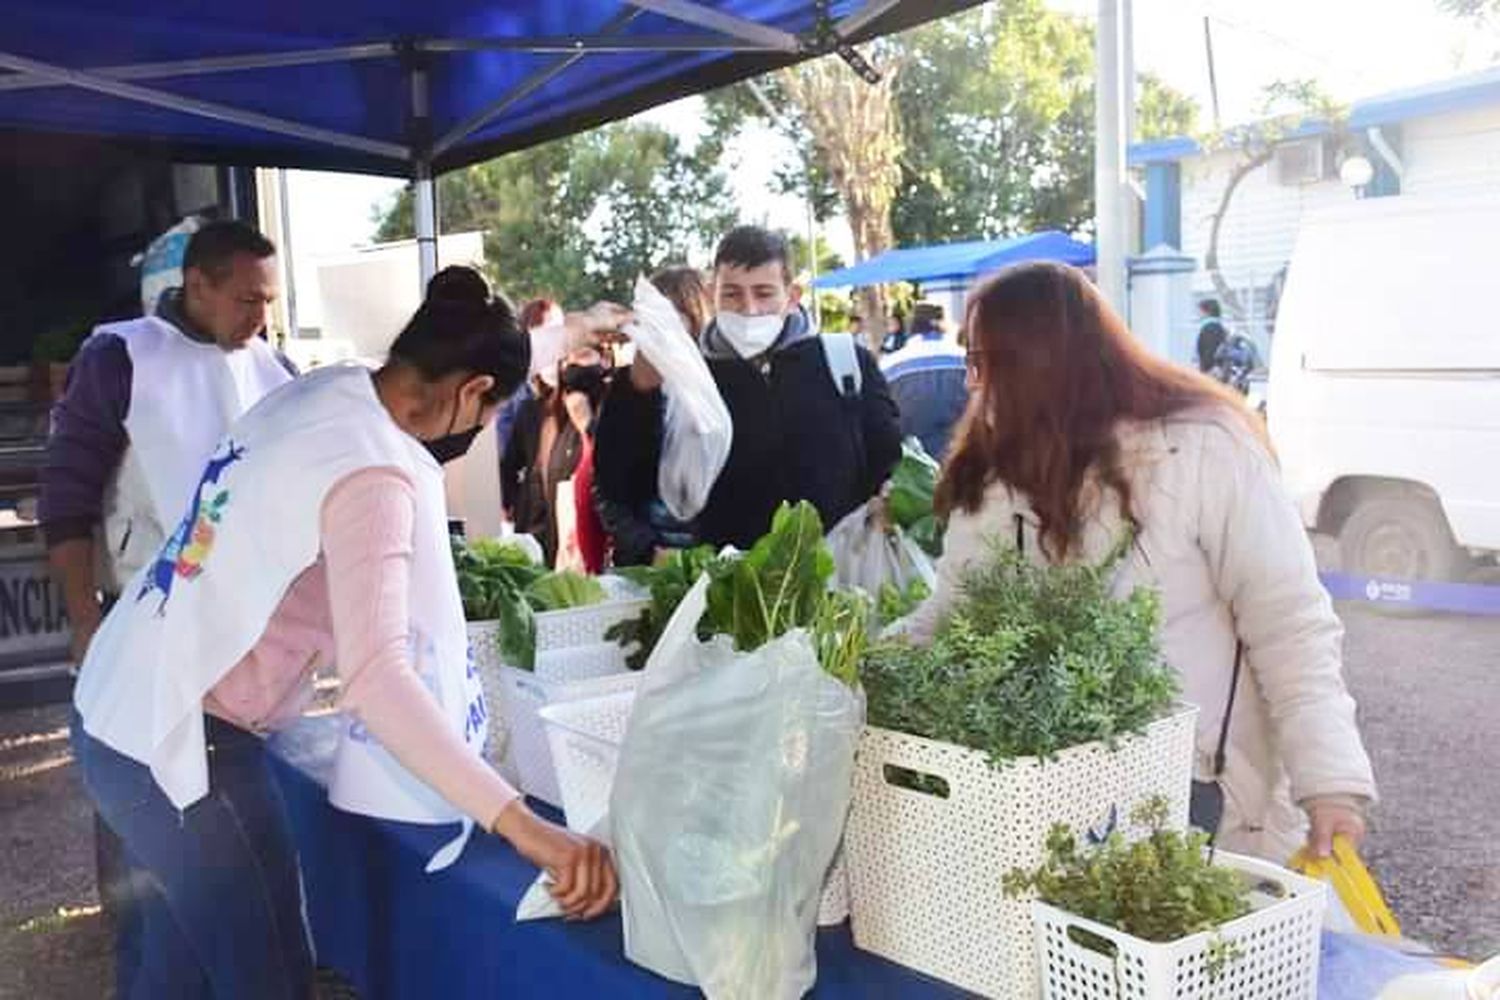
396 932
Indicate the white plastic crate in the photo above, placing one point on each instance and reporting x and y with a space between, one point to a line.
561 675
484 654
583 626
926 871
585 737
1275 949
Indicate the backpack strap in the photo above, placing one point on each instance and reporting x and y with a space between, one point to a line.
842 356
843 364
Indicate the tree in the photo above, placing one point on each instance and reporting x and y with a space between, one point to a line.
994 109
998 108
854 127
578 218
1287 104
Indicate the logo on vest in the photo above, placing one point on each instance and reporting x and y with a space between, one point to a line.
186 551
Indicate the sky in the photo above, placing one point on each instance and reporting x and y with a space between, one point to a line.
1350 49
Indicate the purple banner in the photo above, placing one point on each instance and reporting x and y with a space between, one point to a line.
1463 598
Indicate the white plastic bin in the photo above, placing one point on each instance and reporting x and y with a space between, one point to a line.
926 871
1271 953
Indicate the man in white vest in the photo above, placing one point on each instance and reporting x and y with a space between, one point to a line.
145 403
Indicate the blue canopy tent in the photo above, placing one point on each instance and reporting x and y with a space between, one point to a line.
959 261
395 86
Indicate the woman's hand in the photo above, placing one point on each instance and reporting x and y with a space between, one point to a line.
582 873
1329 818
601 324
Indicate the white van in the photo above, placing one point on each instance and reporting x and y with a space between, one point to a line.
1384 398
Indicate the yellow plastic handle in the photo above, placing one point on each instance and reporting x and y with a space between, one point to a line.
1357 889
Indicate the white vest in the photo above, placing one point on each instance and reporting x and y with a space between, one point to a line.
183 396
253 526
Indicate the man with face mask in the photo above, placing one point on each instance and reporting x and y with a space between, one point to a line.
797 434
146 403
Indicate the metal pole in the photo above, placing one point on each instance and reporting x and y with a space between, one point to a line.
1213 79
424 192
285 205
424 214
1127 67
1109 158
812 261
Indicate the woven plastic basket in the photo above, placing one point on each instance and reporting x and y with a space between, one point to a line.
560 675
1269 954
484 654
585 737
926 870
583 626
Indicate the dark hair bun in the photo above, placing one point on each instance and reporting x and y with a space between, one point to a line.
459 284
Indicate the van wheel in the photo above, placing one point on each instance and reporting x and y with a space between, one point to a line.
1401 538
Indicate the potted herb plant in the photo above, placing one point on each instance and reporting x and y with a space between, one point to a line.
1166 918
1042 699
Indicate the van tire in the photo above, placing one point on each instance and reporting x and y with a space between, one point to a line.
1401 538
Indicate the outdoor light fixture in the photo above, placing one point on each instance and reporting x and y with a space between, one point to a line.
1356 172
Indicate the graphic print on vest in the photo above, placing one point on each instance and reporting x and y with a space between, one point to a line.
185 552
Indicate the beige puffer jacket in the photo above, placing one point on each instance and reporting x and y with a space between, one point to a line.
1223 545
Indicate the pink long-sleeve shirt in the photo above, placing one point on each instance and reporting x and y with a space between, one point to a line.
350 609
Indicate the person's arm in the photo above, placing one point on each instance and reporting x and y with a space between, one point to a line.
84 450
516 457
966 541
881 420
1262 564
366 527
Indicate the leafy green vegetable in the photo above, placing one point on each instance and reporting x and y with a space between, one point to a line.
499 582
565 589
893 604
777 586
913 483
668 584
1030 661
1161 888
781 584
491 575
909 502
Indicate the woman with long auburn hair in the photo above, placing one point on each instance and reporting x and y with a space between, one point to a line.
1074 435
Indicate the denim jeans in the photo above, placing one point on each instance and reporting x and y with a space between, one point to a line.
217 887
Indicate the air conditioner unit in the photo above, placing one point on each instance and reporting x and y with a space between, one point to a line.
1304 161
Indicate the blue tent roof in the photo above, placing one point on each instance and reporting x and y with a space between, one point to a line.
331 84
959 260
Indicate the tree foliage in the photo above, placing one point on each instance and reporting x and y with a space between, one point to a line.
578 218
998 107
996 124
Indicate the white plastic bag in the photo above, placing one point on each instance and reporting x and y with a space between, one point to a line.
161 264
729 801
868 554
697 431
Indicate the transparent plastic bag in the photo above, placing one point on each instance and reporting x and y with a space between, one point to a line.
697 431
868 553
161 263
730 798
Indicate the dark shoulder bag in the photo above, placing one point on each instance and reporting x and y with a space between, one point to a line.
1206 805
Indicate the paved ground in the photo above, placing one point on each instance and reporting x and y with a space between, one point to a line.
1429 690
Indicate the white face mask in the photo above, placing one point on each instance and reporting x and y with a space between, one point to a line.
750 336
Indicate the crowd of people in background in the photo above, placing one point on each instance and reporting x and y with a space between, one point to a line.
579 462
